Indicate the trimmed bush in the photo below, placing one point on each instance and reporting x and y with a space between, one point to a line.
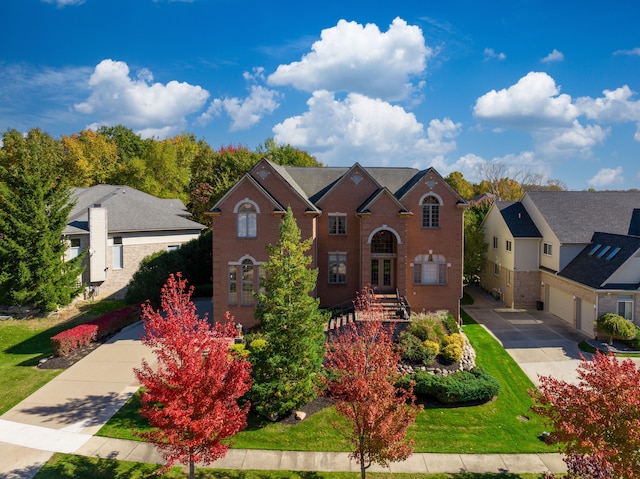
432 348
616 327
68 341
452 352
414 350
115 320
475 386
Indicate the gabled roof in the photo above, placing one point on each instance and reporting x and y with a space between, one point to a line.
128 210
601 259
575 215
248 178
411 183
517 219
364 207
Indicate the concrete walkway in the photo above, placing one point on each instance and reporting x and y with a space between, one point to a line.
64 415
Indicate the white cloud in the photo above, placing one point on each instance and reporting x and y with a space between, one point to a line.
245 112
116 98
64 3
490 53
607 177
568 141
363 129
531 103
351 57
554 56
632 52
615 106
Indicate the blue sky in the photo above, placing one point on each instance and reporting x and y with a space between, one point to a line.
551 87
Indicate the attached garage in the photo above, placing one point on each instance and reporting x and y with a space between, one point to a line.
560 304
586 315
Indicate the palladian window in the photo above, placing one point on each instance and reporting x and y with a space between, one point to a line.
430 269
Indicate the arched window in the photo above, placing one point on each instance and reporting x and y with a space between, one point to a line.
430 212
383 243
430 269
247 220
242 280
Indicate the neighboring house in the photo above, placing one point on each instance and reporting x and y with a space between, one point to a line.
543 251
398 230
119 226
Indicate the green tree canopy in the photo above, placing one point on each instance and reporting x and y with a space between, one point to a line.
35 205
287 371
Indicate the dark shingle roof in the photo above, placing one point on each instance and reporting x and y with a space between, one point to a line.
593 268
128 209
517 219
575 215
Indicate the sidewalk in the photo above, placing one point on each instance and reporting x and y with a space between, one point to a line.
64 415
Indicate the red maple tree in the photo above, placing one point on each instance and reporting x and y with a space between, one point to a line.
191 396
598 419
361 373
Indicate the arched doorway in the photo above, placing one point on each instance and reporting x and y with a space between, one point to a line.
383 261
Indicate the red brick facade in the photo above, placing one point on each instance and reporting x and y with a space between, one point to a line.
367 226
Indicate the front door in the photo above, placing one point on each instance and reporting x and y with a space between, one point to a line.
382 274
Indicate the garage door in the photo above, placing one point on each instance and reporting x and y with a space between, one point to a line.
561 304
587 317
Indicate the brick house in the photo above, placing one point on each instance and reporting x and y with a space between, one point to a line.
575 254
120 226
399 230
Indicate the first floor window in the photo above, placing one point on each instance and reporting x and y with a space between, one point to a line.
118 253
337 268
625 307
429 269
242 282
74 249
496 269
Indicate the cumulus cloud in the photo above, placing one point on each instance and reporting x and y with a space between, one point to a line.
615 106
568 141
351 57
360 128
248 111
152 108
534 101
554 56
607 177
490 53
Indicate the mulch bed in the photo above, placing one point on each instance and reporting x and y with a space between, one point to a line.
317 405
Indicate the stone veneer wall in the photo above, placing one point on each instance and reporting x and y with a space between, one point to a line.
526 288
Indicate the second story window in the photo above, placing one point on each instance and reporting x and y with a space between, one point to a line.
546 249
430 212
508 245
495 242
247 221
337 225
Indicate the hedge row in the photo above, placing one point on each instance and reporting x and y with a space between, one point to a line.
81 335
474 386
74 338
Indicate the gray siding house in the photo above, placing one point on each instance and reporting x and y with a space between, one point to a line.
118 226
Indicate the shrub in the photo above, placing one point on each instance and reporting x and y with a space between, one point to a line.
426 327
258 345
635 342
616 327
475 386
414 350
115 320
452 352
239 349
68 341
450 322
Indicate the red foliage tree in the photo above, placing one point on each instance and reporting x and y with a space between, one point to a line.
598 419
361 373
191 397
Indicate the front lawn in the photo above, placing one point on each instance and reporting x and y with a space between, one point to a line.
66 466
24 342
505 425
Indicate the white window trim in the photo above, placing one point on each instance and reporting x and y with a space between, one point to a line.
547 251
336 215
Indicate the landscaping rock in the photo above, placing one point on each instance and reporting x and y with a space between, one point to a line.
300 415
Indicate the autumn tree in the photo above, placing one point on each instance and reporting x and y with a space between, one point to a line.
456 180
361 374
191 397
90 158
285 154
35 202
286 375
597 420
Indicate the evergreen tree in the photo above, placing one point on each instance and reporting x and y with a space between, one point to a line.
287 370
35 205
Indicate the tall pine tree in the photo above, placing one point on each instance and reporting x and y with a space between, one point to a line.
286 372
34 208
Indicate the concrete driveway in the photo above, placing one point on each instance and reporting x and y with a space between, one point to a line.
541 343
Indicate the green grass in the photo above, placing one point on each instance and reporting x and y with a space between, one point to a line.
24 342
66 466
505 425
